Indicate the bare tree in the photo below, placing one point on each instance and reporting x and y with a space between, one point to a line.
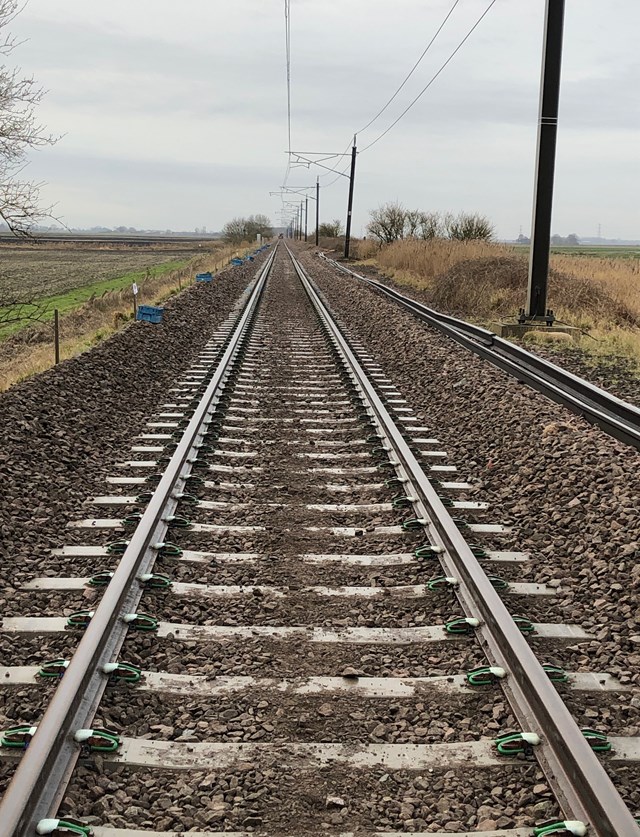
430 226
258 225
19 131
412 221
330 229
467 226
387 222
235 231
246 229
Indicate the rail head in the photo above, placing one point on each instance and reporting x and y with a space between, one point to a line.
45 767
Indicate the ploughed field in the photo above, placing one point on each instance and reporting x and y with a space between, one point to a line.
31 272
289 475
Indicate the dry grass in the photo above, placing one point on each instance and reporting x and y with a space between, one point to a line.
483 281
31 350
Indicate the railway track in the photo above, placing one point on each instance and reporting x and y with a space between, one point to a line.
296 618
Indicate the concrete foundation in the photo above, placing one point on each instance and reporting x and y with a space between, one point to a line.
514 329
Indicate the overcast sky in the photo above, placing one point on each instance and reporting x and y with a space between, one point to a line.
174 114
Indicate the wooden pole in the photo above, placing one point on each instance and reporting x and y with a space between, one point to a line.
56 336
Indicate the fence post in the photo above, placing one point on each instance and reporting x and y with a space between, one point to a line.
56 336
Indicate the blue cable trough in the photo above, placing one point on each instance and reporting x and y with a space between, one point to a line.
236 261
149 314
204 277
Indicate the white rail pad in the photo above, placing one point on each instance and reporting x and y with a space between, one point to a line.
371 469
248 419
174 755
384 507
328 455
352 532
126 480
333 421
107 523
188 555
222 633
378 486
227 590
194 685
235 454
100 831
235 469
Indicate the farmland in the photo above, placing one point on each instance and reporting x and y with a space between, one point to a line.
64 276
90 285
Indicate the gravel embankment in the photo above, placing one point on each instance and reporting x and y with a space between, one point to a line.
64 429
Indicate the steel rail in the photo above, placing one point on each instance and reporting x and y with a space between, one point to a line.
615 416
583 788
46 766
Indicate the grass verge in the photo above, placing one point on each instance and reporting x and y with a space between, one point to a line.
481 282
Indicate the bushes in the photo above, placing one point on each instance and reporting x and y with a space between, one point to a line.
392 222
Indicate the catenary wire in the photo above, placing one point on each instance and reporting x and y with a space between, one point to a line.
434 77
413 69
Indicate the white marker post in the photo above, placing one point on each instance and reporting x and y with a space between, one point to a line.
135 300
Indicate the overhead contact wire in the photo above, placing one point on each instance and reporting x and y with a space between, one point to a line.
434 77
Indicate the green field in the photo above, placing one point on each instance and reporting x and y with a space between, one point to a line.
601 252
44 307
43 277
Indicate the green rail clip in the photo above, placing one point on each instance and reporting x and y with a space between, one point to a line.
461 625
442 582
598 741
460 522
101 579
64 826
401 501
153 479
80 619
175 521
575 827
165 549
117 547
194 481
97 740
394 482
555 673
413 524
525 625
155 581
144 497
122 671
190 499
141 621
18 738
485 675
498 583
478 551
447 502
427 551
513 743
198 464
53 668
132 520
